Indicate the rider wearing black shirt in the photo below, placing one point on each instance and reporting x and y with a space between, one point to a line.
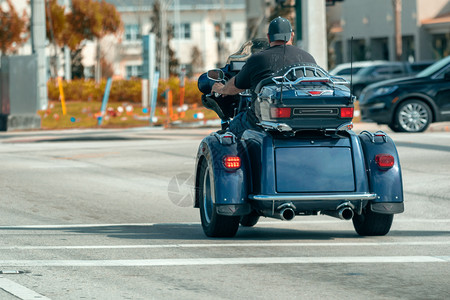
259 66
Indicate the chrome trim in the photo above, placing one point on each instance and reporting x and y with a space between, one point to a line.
373 135
319 75
362 196
227 138
345 127
277 126
286 205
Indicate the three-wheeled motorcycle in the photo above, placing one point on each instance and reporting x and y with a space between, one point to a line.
303 159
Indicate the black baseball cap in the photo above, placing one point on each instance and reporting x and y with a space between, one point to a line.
280 29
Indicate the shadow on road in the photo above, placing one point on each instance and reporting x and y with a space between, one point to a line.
194 232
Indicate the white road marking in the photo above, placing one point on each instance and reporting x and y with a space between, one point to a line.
225 245
226 261
19 291
262 222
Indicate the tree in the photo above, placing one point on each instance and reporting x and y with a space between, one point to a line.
56 23
13 29
56 27
196 60
76 63
155 20
92 20
286 11
173 61
87 20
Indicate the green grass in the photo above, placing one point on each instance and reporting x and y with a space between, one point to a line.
83 115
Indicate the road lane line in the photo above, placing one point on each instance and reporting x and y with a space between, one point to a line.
225 245
263 222
226 261
19 291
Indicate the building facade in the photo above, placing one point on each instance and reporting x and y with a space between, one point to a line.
425 30
197 33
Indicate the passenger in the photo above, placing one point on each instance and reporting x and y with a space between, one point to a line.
260 66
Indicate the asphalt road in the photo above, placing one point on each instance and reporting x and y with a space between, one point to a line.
107 215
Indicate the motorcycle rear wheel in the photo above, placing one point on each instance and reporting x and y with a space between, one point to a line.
213 224
250 220
370 223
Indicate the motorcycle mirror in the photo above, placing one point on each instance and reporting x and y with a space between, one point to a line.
216 75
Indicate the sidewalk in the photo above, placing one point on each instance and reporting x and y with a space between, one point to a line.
434 127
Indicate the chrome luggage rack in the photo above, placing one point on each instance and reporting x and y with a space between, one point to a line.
319 75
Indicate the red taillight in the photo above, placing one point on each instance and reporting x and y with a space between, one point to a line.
384 161
347 112
315 93
280 112
232 162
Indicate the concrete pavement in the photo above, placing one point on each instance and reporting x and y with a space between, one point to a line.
153 132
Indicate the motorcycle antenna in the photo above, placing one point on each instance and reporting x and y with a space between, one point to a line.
351 66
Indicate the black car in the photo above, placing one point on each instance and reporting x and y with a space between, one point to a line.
368 72
410 104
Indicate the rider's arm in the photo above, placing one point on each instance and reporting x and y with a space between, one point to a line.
228 89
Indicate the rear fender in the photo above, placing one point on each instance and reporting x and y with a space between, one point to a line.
230 187
387 184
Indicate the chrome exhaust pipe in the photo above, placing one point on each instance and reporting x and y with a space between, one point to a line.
285 212
345 213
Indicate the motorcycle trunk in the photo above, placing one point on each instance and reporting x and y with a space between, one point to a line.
312 105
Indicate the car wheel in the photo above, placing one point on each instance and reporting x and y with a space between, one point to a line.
214 225
250 220
370 223
412 116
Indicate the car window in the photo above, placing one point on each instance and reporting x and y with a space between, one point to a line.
388 70
443 71
347 71
434 67
417 67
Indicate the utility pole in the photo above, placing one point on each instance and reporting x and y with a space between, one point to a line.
221 42
164 39
38 47
314 33
177 25
98 65
298 23
397 4
67 58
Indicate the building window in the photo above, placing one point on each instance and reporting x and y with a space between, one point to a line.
359 49
185 31
227 32
132 32
379 49
441 45
133 71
